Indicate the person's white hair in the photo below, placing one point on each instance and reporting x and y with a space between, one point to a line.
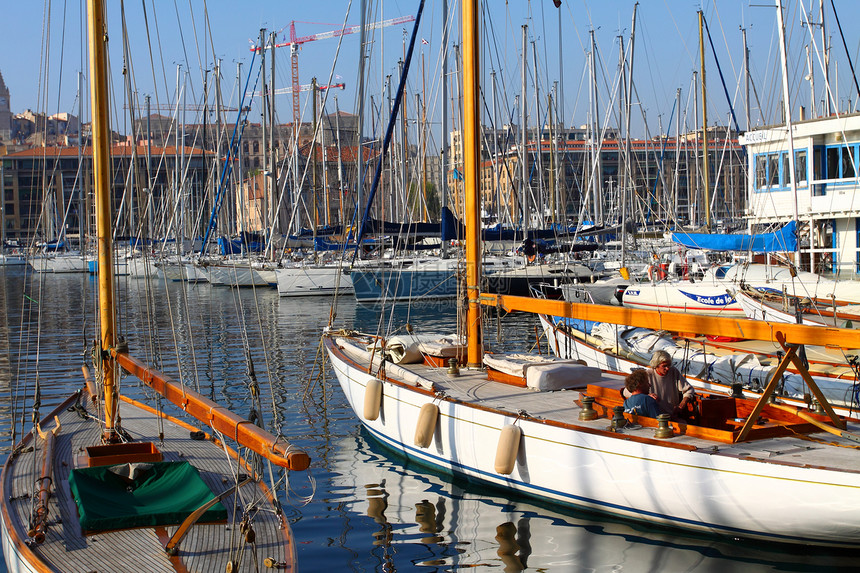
660 357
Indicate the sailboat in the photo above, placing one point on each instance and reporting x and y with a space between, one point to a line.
107 483
555 430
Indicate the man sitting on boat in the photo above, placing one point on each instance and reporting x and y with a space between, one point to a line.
668 386
640 401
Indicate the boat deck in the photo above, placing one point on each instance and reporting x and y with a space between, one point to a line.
207 547
814 449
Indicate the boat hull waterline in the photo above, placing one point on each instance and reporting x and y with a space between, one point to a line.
587 466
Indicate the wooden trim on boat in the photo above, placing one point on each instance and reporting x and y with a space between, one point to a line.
270 496
219 418
21 547
584 429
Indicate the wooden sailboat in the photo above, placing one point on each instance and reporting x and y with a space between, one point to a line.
109 484
745 468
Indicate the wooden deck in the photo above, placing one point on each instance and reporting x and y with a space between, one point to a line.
812 448
207 547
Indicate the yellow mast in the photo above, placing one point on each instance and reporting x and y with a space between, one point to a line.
101 170
471 157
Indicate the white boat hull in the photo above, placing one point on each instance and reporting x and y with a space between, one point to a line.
696 298
589 467
58 263
312 280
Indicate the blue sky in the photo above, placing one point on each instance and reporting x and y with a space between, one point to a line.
666 52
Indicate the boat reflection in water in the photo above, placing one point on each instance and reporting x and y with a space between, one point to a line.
427 520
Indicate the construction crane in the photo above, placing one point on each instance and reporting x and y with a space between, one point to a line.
296 41
306 88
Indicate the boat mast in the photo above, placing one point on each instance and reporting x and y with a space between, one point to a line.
787 107
101 162
705 162
524 138
471 159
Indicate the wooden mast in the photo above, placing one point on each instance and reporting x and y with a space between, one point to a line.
471 158
101 169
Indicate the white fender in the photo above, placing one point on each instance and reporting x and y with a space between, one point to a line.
507 449
372 399
426 425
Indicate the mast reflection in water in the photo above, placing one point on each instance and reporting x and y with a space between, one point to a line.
371 510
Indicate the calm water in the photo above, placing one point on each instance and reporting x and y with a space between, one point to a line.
370 510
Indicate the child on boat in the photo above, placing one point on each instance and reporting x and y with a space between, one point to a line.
640 402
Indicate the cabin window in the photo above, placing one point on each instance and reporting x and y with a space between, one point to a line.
773 170
800 168
832 163
760 171
847 162
785 170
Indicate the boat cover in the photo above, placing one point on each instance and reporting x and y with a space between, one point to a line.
120 497
783 240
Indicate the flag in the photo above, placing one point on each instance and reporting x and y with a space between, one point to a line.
457 175
423 41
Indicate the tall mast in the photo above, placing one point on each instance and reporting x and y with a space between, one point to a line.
359 160
747 78
524 139
273 150
827 108
97 32
471 159
705 158
597 169
787 107
445 138
263 109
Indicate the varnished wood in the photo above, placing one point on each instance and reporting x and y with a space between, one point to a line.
274 449
680 322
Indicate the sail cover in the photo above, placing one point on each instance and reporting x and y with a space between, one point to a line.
782 240
163 493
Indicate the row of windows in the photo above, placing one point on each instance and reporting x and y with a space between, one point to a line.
829 163
772 169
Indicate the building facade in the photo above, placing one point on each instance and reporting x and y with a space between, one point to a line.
823 196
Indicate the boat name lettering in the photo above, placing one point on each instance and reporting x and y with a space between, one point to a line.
718 300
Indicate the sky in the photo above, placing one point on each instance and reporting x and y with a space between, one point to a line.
40 55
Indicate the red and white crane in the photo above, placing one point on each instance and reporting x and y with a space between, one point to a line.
296 41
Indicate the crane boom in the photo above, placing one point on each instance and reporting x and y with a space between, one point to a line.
296 41
342 32
307 88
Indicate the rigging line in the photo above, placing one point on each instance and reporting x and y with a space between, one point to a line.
845 46
720 71
232 150
389 130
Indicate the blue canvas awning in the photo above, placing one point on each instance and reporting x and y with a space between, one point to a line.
783 240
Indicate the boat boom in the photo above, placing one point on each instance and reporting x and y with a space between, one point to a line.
277 450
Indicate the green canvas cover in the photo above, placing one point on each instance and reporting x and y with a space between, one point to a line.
163 493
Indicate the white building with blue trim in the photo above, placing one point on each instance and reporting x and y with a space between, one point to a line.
826 203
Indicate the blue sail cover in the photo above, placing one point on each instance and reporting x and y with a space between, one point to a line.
783 240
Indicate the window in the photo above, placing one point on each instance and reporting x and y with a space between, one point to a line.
786 169
773 170
818 164
800 168
832 163
760 171
847 171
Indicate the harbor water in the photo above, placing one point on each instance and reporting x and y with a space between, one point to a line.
359 507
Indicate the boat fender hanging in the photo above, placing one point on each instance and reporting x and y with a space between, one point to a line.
507 449
372 399
426 424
